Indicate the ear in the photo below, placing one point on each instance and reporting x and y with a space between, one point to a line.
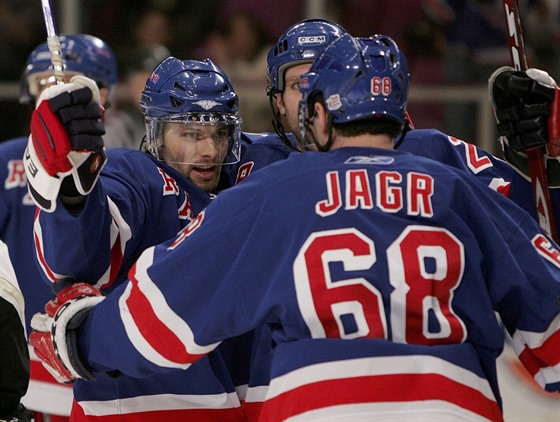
320 119
280 104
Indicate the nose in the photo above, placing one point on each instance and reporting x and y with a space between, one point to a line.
206 147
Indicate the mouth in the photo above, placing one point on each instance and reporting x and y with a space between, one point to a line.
205 171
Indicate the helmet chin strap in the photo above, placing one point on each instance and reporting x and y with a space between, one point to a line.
407 128
277 121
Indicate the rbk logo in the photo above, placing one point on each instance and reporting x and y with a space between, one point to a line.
372 159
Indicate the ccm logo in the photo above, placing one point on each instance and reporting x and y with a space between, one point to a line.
313 39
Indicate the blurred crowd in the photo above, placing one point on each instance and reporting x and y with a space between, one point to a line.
446 41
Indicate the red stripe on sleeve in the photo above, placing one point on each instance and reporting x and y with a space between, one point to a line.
542 357
161 338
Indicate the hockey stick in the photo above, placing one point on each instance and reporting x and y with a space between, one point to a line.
53 42
535 156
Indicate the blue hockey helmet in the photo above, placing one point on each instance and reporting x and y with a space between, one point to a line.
301 43
190 92
81 53
358 78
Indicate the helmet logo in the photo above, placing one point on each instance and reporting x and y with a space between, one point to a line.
207 104
312 39
333 102
154 77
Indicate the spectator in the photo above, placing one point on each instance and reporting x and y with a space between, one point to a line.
424 45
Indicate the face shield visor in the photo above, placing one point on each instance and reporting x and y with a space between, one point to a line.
195 139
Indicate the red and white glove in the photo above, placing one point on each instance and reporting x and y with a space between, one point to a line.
66 139
54 334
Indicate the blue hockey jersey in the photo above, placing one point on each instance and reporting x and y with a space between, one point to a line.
262 152
373 269
431 143
137 203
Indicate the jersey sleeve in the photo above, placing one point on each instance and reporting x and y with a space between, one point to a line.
153 297
93 245
523 281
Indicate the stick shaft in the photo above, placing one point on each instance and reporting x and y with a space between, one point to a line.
53 42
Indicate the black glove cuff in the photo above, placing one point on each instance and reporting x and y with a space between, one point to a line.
520 162
72 345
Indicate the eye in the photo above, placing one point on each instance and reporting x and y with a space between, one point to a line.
189 134
294 86
221 134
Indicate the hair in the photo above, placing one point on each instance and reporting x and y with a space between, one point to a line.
371 125
374 125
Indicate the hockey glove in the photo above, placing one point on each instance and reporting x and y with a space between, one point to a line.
522 107
66 140
54 334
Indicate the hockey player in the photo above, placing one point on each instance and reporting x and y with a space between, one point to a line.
291 56
14 355
82 54
92 227
382 302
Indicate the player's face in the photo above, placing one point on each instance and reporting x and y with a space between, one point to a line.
196 151
288 102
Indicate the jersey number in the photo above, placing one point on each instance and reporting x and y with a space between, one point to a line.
425 266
